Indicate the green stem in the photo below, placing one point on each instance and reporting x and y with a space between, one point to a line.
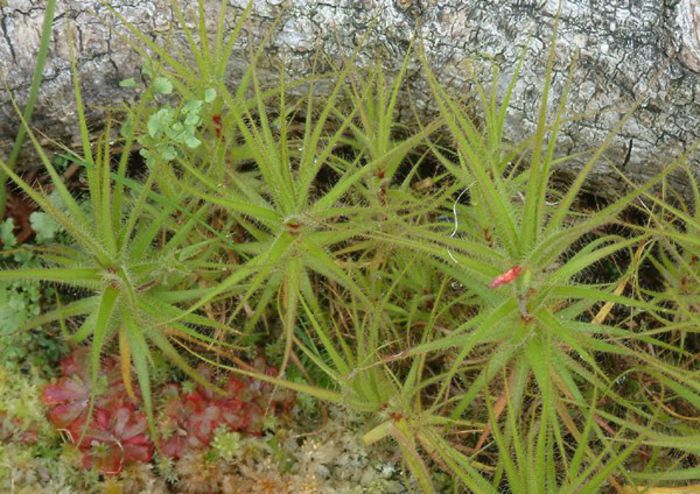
33 94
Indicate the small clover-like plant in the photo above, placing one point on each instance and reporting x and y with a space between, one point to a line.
169 129
22 299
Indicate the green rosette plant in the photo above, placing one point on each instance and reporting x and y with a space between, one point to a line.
128 268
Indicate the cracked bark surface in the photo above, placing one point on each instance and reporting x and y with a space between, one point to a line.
627 50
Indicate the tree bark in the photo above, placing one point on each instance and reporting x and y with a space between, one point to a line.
627 50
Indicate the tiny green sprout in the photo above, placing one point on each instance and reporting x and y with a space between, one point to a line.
271 422
127 83
99 450
191 109
191 141
209 95
305 402
192 119
159 122
166 468
22 301
7 237
226 444
274 351
147 69
162 85
44 225
189 386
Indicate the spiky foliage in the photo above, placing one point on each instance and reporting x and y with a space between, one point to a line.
453 311
134 280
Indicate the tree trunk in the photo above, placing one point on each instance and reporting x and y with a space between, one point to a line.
627 50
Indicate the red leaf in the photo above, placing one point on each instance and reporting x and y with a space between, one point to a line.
75 362
131 430
108 459
173 447
218 125
142 451
235 386
507 277
123 440
62 416
205 422
118 432
65 390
